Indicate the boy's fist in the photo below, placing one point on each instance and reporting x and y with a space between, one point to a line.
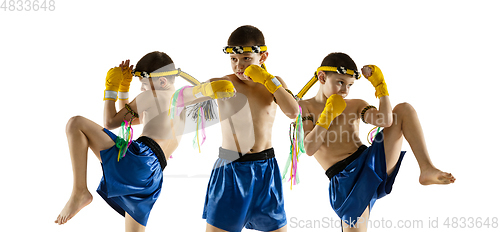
375 76
113 80
215 89
334 106
127 76
260 75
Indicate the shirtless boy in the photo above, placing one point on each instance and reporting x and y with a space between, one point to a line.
245 188
359 175
132 178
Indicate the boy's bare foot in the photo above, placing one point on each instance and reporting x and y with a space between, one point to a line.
75 203
435 176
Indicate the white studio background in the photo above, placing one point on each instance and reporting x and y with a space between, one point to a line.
440 56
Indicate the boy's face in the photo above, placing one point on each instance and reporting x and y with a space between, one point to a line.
239 62
339 84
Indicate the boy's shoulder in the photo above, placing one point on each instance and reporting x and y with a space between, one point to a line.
309 105
305 102
356 104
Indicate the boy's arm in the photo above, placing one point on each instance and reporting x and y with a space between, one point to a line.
114 119
334 106
286 101
117 81
121 105
312 141
276 86
383 116
215 88
123 90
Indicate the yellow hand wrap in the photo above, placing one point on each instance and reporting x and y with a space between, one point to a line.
214 89
260 75
334 106
378 81
125 84
113 81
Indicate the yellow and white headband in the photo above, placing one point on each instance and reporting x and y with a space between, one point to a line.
314 79
244 49
339 70
176 72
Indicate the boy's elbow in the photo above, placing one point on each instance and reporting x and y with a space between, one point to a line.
293 112
387 122
310 150
309 153
109 124
383 121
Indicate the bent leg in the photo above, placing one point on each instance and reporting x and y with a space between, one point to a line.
132 225
82 134
361 224
282 229
211 228
393 138
407 124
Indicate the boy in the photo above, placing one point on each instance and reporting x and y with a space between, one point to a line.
359 175
245 188
132 172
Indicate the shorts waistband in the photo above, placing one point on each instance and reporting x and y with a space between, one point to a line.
155 148
341 165
239 157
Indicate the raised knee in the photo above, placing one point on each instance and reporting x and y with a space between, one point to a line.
74 123
404 107
402 110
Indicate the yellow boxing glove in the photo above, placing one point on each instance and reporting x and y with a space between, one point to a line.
334 106
378 81
260 75
125 84
215 89
113 80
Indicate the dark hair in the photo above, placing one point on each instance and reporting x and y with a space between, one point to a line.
156 62
246 36
337 59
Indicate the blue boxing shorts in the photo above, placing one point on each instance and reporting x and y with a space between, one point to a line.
245 191
359 180
132 184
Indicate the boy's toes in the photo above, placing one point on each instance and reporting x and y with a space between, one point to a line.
435 176
58 220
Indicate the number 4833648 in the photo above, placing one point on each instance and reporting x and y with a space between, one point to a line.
28 5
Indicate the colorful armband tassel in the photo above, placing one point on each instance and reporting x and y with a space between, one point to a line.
124 139
177 103
199 122
198 112
208 108
296 149
372 134
202 112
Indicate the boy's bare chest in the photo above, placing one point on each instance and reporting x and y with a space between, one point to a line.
257 97
348 118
